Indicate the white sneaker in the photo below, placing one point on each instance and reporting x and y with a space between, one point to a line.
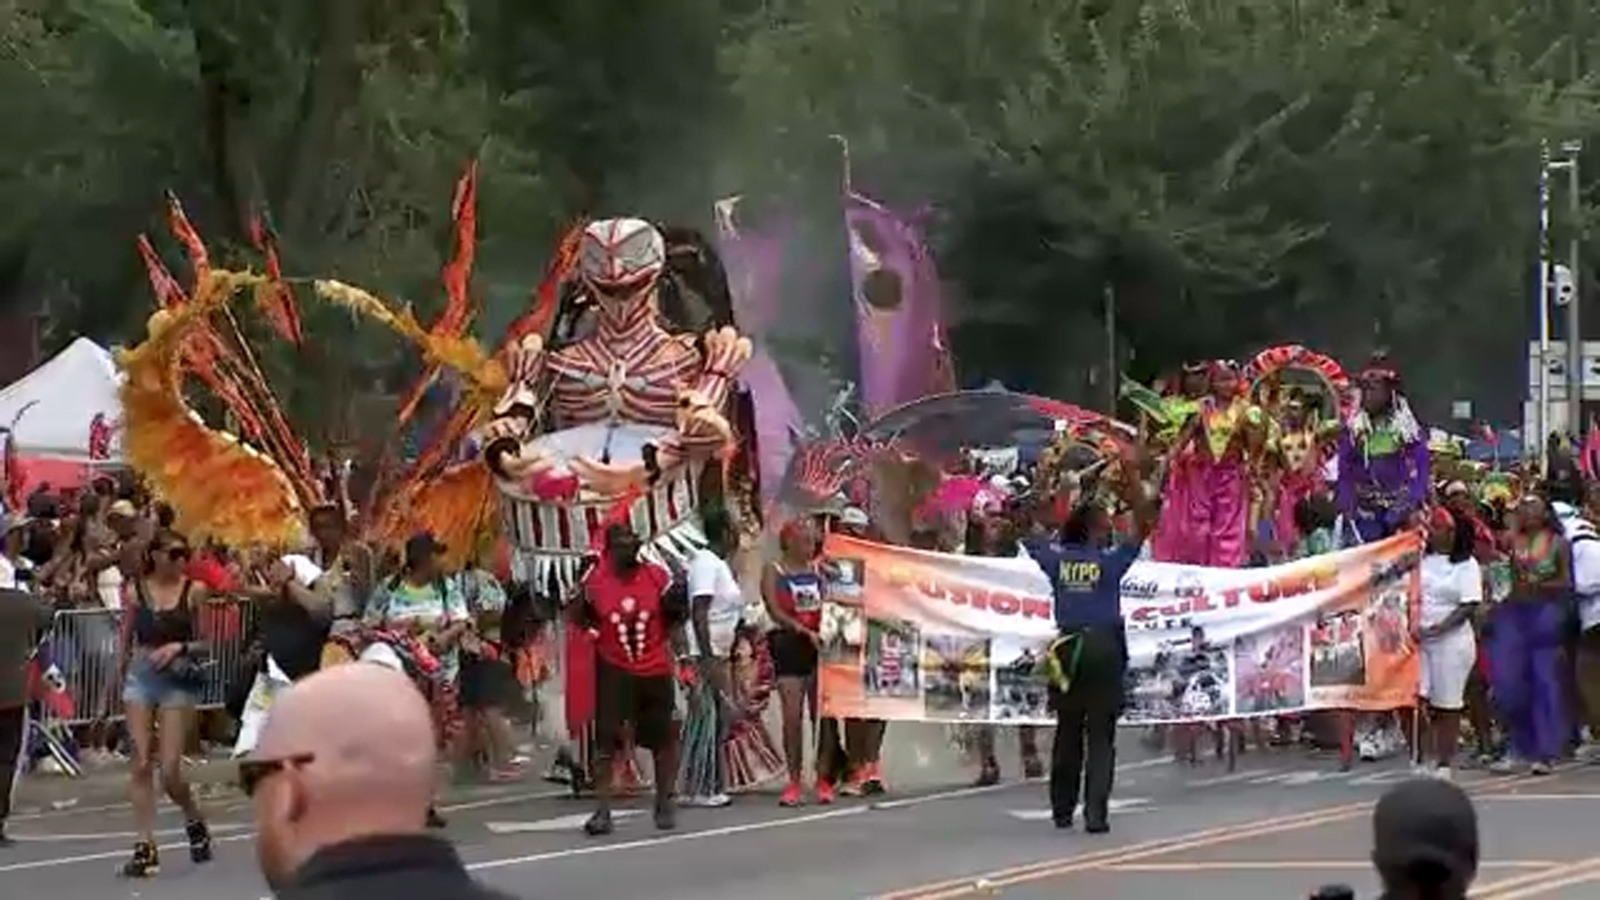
1443 773
713 801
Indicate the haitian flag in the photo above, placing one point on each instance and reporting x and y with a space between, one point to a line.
47 684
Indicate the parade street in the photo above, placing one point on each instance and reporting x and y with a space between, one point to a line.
1282 824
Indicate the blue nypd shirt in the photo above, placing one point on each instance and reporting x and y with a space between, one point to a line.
1086 581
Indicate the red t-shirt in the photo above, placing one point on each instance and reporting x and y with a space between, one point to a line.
632 632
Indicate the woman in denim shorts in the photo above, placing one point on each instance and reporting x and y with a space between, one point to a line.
162 687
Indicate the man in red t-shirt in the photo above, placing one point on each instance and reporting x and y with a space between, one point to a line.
625 603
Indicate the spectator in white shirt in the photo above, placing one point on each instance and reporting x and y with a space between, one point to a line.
715 607
1585 543
1452 589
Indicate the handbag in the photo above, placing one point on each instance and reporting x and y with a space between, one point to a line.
187 670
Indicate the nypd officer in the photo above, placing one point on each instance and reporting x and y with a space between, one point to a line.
1089 659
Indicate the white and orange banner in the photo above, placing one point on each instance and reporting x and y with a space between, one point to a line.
935 637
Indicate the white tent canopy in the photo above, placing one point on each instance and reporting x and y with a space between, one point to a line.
52 410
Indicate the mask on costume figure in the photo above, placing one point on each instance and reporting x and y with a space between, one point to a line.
1224 381
1195 381
620 261
1376 396
1377 383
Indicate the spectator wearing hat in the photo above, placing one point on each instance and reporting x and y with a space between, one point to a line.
422 601
1425 840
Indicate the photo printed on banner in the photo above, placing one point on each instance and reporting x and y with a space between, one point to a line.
846 577
1021 682
892 665
956 672
1269 670
1338 650
1188 679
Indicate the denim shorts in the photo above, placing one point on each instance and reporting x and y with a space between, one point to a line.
154 688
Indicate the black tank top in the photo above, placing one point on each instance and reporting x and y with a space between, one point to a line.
154 627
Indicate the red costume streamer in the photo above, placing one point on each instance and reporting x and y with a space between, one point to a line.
277 301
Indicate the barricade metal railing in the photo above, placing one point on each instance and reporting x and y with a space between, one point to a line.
84 648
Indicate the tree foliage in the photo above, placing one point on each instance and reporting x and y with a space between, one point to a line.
1345 173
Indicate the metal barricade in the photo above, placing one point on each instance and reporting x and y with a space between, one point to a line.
84 646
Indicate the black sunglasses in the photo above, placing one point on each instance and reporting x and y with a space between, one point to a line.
176 551
254 771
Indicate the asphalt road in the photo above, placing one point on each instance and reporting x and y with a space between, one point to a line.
1282 824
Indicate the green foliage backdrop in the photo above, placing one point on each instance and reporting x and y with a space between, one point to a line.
1346 173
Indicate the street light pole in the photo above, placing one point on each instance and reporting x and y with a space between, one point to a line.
1574 306
1541 416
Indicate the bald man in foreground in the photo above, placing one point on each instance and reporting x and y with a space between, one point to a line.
341 781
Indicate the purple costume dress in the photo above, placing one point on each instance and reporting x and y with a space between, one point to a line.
1383 471
1527 658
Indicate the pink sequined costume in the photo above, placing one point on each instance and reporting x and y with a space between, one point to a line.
1205 513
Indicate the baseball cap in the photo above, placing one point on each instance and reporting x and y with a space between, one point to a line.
123 508
854 517
1426 829
10 522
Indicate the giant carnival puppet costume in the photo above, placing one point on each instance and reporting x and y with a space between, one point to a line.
593 400
1383 457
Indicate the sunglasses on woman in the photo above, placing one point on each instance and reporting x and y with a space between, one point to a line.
176 552
252 772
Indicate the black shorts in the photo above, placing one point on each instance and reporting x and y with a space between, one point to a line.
487 683
793 654
621 698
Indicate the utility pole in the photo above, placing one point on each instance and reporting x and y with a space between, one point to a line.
1574 303
1541 417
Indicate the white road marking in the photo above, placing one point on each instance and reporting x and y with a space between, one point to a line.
1302 777
559 823
109 835
1388 776
1230 778
663 840
1122 805
764 825
60 861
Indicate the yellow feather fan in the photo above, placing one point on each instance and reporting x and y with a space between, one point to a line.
218 486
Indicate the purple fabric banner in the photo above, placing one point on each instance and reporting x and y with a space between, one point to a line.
754 262
899 309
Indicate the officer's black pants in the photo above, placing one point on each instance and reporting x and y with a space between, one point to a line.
1084 758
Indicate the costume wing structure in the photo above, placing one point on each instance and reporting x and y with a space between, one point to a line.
219 486
457 507
439 493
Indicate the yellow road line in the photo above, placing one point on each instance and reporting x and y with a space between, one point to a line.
1269 865
1015 875
1536 883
